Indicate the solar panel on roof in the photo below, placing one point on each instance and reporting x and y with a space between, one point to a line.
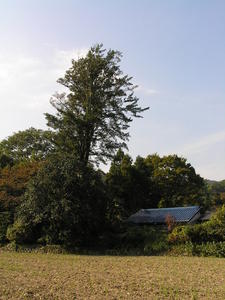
158 215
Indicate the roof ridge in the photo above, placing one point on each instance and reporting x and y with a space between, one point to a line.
171 208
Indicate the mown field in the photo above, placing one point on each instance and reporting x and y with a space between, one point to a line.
50 276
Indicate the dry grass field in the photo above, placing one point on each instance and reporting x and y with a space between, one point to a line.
50 276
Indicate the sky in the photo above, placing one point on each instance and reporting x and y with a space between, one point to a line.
173 49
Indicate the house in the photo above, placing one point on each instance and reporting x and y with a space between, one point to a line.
188 215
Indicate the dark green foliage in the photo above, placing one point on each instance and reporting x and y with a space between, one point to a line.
5 161
64 204
120 182
6 218
25 145
146 240
92 119
131 185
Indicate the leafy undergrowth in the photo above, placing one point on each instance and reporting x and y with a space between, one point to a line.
52 276
204 249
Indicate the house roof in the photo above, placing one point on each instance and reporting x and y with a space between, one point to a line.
158 215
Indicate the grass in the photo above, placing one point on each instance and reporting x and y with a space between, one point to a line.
51 276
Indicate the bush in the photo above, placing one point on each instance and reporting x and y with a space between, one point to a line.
35 248
178 235
185 249
211 249
203 249
157 247
19 232
145 240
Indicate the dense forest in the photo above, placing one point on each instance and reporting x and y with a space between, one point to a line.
51 188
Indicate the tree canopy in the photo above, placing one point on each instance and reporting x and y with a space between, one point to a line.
26 145
93 117
154 181
216 191
178 182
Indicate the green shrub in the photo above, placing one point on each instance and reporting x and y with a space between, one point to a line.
211 249
156 247
138 236
185 249
19 232
178 235
53 249
216 249
146 240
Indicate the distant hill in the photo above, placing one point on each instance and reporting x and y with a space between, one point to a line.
215 182
211 182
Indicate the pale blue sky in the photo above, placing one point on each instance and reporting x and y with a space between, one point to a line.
175 50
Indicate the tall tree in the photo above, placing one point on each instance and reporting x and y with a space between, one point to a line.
92 119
